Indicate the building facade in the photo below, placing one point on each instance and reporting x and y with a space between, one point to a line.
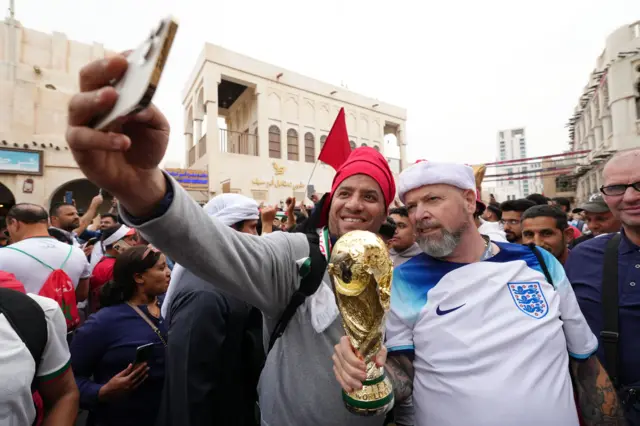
514 179
257 129
38 76
607 117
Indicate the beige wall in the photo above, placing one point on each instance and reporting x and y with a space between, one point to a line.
606 118
38 75
274 97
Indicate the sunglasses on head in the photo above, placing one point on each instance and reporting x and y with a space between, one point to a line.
150 249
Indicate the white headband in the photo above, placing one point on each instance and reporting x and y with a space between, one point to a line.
117 236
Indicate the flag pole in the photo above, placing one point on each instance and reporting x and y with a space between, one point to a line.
311 176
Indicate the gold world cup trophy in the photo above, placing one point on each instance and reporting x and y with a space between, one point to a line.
361 271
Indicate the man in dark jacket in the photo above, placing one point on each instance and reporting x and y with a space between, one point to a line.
215 350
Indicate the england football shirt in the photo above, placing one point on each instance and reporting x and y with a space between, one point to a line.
491 339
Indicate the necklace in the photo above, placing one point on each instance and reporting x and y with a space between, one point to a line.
488 251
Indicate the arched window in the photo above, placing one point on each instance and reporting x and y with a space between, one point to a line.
364 144
353 145
309 148
323 139
292 145
274 142
376 147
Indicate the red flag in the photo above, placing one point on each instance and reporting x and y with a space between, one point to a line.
336 147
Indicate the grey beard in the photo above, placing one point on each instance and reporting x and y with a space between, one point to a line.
444 246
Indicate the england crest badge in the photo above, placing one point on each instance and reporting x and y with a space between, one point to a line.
529 298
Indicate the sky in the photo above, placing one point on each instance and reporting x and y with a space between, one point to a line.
463 69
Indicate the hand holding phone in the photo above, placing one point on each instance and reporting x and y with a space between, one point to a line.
124 382
138 85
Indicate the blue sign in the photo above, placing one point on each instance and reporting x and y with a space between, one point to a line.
20 161
190 179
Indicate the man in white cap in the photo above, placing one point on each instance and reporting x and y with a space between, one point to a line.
482 332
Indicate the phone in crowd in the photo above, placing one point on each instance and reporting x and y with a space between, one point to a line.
310 191
121 246
68 197
143 353
139 83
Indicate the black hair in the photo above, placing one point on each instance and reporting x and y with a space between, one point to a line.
521 205
238 225
538 199
55 207
547 211
60 235
388 228
108 233
123 285
28 213
564 202
400 211
111 215
495 210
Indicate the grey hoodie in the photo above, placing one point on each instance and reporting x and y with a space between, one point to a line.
399 258
297 386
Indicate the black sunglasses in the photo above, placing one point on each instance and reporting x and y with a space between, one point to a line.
616 190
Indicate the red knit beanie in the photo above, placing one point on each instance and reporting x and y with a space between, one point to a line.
364 161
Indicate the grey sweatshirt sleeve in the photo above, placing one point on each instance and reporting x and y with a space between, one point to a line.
261 271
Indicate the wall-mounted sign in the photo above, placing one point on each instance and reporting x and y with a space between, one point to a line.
277 183
278 170
21 161
194 180
27 186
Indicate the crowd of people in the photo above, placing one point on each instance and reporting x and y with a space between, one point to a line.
164 312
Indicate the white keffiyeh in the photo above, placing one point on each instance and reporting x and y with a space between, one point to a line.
228 209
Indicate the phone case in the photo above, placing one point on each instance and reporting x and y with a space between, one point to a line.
139 83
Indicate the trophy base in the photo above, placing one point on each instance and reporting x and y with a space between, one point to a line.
375 397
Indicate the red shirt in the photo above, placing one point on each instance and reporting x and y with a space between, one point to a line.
102 273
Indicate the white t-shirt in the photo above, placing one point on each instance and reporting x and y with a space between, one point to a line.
493 230
17 367
32 273
491 339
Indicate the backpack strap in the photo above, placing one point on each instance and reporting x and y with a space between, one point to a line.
31 256
609 334
27 319
543 264
312 272
40 261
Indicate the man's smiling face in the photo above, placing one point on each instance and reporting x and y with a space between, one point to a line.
357 204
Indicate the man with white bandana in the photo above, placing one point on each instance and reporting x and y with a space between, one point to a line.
482 333
210 378
234 210
114 240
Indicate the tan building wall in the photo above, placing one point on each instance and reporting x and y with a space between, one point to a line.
274 128
607 117
38 75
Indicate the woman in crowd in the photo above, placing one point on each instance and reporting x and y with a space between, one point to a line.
115 387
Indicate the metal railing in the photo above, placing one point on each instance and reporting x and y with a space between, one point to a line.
202 146
238 142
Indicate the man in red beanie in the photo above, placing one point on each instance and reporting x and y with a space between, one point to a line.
296 386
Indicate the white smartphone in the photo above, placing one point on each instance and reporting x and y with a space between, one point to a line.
139 83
